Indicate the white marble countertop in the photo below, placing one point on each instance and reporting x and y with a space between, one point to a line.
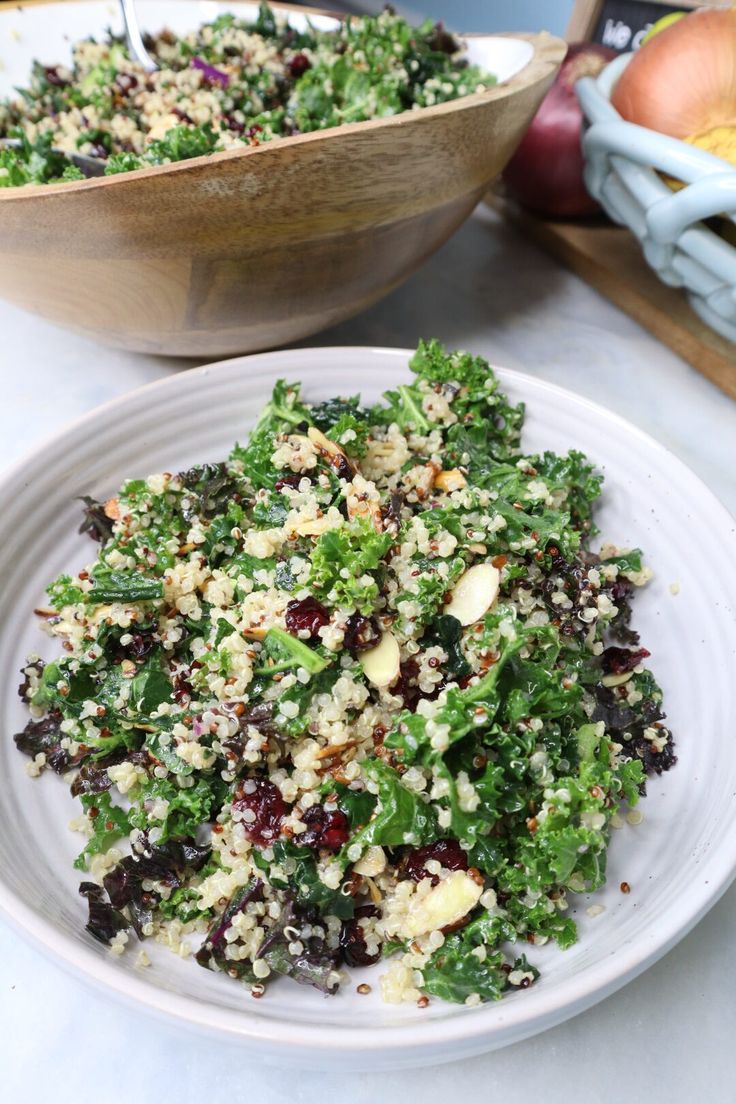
666 1036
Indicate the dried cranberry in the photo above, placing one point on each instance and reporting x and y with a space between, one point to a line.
619 661
361 633
54 77
182 115
299 65
140 645
126 82
406 685
325 829
264 800
352 939
620 590
447 853
231 123
309 615
288 481
183 690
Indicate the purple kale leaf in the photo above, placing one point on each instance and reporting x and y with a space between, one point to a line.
316 963
104 921
259 716
25 686
170 864
95 522
211 954
627 725
93 777
44 737
619 661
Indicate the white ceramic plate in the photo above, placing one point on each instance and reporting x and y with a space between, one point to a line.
678 861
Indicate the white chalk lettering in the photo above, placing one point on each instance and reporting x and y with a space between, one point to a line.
640 36
616 34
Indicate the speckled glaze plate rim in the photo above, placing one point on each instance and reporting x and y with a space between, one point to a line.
470 1032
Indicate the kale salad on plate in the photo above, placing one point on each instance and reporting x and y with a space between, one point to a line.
360 693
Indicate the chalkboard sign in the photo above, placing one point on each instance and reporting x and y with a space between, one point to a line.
622 24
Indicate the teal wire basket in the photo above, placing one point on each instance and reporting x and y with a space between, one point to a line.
623 163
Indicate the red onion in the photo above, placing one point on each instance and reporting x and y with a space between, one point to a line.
546 172
214 76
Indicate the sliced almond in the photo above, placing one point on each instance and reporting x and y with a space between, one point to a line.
111 509
382 448
616 680
255 632
314 527
381 664
374 891
318 439
335 750
448 902
336 455
474 593
452 480
372 863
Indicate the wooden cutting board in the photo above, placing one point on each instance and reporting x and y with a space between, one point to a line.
609 258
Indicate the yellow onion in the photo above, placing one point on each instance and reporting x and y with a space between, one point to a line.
682 82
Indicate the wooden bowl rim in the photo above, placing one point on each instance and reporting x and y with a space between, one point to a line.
549 52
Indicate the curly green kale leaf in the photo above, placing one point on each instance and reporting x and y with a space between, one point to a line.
460 969
401 817
283 414
109 824
469 384
345 565
182 811
303 879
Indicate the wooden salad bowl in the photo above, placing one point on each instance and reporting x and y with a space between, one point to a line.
249 249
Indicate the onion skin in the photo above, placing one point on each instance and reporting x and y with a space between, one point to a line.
546 173
683 81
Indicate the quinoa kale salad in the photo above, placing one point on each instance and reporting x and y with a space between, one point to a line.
362 692
234 82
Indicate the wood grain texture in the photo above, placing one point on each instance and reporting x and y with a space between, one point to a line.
609 258
254 248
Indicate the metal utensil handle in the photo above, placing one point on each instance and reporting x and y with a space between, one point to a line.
133 35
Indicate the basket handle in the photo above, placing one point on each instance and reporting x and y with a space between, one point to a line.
716 195
597 108
652 150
